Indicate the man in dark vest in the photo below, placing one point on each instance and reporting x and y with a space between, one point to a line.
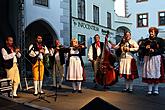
10 55
58 63
94 54
37 51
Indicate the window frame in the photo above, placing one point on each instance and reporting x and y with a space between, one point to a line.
137 20
41 3
137 1
95 19
109 22
81 10
159 18
82 42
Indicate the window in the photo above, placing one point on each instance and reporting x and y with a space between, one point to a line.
161 18
96 14
108 20
81 9
42 2
81 40
142 20
141 0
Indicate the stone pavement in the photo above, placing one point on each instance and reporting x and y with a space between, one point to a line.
66 100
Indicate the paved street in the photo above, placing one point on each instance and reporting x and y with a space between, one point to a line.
66 100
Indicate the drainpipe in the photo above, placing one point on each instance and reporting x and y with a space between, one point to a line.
70 19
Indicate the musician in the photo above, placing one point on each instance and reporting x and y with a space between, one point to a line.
94 55
153 70
37 51
75 65
127 63
10 54
58 63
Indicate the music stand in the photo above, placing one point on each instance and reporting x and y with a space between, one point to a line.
41 97
55 94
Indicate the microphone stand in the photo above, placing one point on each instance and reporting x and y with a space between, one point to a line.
56 90
40 94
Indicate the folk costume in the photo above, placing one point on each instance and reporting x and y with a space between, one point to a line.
127 63
58 65
153 69
38 65
94 54
11 66
75 69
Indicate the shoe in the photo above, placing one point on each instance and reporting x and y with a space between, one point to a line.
74 91
16 96
130 91
35 94
149 93
156 93
59 87
125 90
79 91
41 92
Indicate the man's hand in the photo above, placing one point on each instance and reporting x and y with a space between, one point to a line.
148 47
42 50
152 50
126 49
17 50
91 61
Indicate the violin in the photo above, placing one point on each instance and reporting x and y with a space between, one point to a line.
79 46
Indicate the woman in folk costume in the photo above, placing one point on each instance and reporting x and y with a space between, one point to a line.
37 52
75 66
153 70
127 63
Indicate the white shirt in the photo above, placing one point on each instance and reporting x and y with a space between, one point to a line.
90 52
12 55
35 53
57 56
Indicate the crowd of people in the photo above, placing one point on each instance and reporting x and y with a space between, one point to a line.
151 50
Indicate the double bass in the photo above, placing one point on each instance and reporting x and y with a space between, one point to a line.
106 73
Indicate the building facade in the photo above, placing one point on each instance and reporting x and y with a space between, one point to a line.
91 17
144 14
49 18
61 19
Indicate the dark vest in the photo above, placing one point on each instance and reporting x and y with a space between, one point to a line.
7 64
79 55
157 44
62 58
34 48
95 50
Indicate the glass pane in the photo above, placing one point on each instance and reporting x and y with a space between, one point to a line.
144 16
162 14
144 22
